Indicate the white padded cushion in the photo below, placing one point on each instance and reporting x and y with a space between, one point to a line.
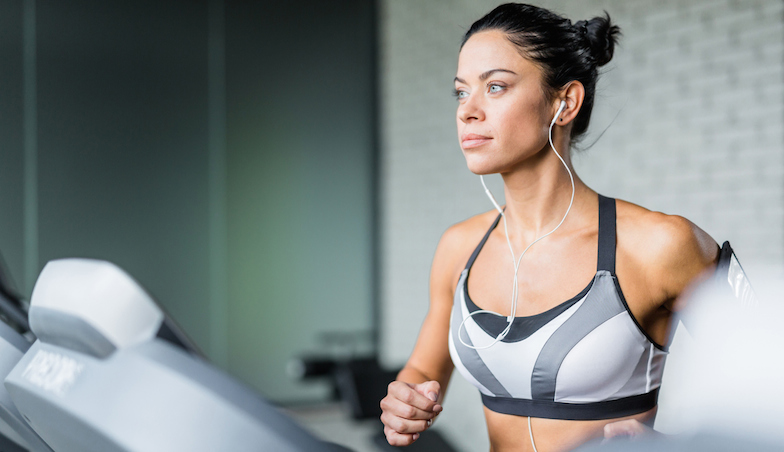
98 293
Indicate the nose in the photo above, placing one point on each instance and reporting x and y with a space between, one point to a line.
470 110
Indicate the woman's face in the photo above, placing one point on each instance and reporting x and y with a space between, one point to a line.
503 115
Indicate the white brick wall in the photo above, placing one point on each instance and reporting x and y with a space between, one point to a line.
693 107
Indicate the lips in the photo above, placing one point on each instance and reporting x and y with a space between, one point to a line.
472 140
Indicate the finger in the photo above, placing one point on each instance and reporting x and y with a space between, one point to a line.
399 439
429 389
629 427
401 425
409 396
403 410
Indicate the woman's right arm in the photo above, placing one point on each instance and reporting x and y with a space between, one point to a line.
414 399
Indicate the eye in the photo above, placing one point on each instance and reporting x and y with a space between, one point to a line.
460 94
495 88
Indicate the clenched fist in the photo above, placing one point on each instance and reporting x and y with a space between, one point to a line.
409 409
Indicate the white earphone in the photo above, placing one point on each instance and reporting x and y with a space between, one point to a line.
558 113
516 261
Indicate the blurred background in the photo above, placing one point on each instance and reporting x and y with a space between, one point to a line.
220 152
278 174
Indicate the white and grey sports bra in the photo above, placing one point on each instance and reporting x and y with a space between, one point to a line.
586 358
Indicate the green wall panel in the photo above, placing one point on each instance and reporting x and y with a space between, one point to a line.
11 140
126 96
122 144
300 148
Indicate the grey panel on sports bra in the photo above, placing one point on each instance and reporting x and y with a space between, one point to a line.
522 327
637 380
470 357
601 304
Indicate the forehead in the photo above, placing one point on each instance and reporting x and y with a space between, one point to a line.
491 49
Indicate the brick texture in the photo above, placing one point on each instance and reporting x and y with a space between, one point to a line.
689 120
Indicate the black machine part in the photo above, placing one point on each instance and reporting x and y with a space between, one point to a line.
12 306
729 273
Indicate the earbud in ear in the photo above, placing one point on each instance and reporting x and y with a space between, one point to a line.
558 113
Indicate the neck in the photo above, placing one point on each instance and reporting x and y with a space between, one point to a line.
538 193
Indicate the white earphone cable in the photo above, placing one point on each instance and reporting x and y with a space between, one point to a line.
531 434
516 261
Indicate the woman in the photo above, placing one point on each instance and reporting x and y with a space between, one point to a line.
552 373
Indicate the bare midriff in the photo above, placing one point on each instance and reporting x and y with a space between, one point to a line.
509 433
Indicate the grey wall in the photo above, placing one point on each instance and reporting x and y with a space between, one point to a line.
693 101
220 152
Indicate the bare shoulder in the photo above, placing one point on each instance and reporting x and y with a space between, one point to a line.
669 248
458 242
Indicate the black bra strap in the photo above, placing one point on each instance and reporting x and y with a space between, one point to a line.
606 260
482 243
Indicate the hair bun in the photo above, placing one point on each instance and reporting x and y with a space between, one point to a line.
602 36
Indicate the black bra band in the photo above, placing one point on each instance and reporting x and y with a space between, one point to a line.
606 409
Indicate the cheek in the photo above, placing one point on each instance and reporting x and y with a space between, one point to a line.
520 123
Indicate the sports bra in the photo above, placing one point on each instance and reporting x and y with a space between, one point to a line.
586 358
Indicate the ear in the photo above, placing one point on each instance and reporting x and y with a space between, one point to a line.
573 94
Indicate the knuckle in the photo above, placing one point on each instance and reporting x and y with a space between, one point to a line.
397 441
400 426
389 432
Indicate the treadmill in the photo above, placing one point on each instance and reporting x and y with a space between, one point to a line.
110 371
16 435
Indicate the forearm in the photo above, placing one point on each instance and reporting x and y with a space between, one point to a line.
411 374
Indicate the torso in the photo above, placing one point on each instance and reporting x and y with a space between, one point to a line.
555 272
545 281
510 433
561 268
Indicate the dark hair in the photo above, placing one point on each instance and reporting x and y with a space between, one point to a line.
563 50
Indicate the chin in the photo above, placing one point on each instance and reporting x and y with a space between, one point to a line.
480 171
482 168
487 161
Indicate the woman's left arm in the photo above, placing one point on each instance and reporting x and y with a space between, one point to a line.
680 255
691 256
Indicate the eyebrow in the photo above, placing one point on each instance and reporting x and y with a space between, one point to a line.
485 75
